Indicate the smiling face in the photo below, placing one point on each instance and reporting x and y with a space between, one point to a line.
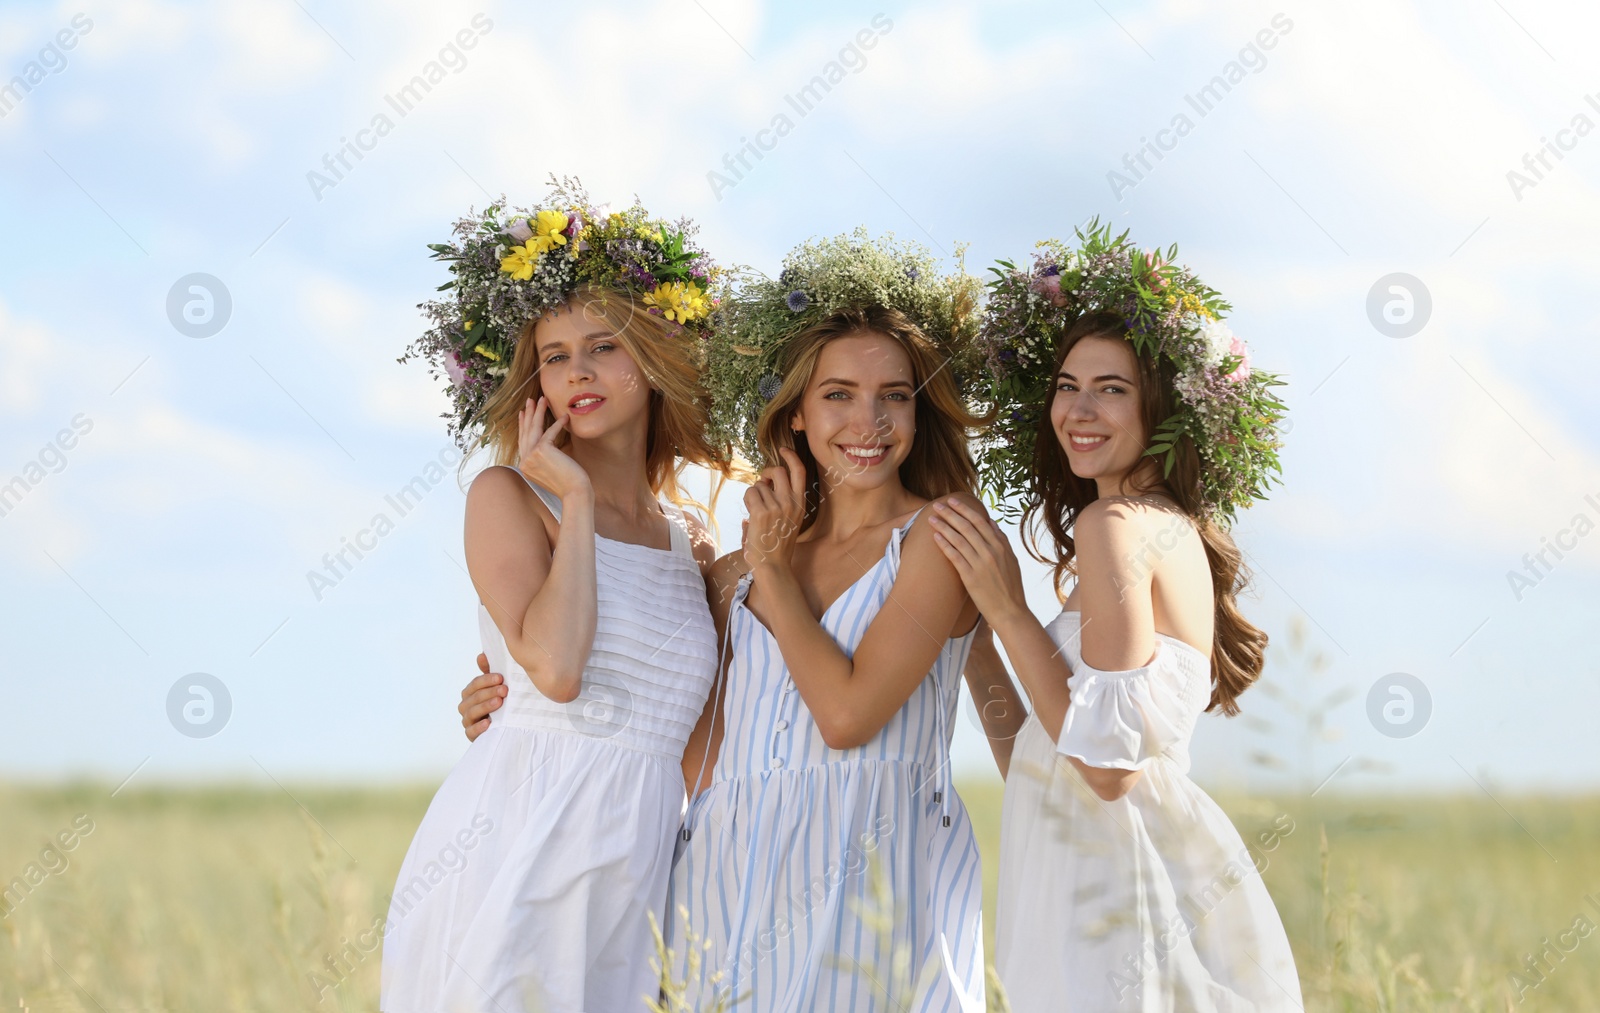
858 412
587 374
1096 412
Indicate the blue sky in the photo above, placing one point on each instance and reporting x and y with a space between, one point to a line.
209 475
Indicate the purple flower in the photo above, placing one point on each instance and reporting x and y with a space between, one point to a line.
1051 271
768 386
912 273
797 301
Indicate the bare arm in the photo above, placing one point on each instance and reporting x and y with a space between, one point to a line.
850 697
542 600
1119 630
1000 705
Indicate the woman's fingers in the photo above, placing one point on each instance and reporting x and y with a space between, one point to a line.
956 542
475 730
954 555
483 663
485 681
949 520
548 437
794 471
480 705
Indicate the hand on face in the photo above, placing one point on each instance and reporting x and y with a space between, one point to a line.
776 506
540 459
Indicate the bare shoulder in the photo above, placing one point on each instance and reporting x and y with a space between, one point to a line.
499 488
1104 534
701 541
499 498
1120 519
1110 512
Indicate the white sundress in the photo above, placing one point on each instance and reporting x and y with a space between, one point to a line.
1151 903
777 869
530 882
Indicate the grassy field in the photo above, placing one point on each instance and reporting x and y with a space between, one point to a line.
250 899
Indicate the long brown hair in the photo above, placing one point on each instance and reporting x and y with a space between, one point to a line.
1056 497
679 405
940 461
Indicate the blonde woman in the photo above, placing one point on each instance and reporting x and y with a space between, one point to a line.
532 879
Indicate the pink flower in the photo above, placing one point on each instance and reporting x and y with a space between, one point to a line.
452 366
520 230
1238 348
1049 287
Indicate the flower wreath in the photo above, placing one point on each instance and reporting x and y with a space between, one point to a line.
1226 409
512 265
819 278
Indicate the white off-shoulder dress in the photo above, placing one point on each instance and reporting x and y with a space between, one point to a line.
1148 903
530 883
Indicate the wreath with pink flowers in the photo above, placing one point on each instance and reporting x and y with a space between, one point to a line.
1228 409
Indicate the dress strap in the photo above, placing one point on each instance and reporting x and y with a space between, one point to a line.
678 525
898 535
551 500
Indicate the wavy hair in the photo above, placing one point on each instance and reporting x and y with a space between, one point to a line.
1055 497
670 358
940 461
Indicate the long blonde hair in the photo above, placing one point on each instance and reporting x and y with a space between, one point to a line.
671 360
940 461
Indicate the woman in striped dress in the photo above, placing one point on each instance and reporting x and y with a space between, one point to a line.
828 864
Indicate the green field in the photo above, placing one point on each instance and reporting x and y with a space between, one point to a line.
250 899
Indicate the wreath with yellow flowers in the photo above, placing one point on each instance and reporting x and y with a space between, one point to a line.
511 265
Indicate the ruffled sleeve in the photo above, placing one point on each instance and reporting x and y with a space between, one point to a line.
1127 719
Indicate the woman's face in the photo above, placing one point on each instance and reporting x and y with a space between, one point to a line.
858 413
1096 413
587 374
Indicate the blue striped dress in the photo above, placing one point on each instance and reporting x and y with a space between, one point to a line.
816 879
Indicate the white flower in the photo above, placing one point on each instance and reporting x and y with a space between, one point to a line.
1218 338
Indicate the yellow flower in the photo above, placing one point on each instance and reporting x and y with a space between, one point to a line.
679 302
547 227
484 351
520 261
